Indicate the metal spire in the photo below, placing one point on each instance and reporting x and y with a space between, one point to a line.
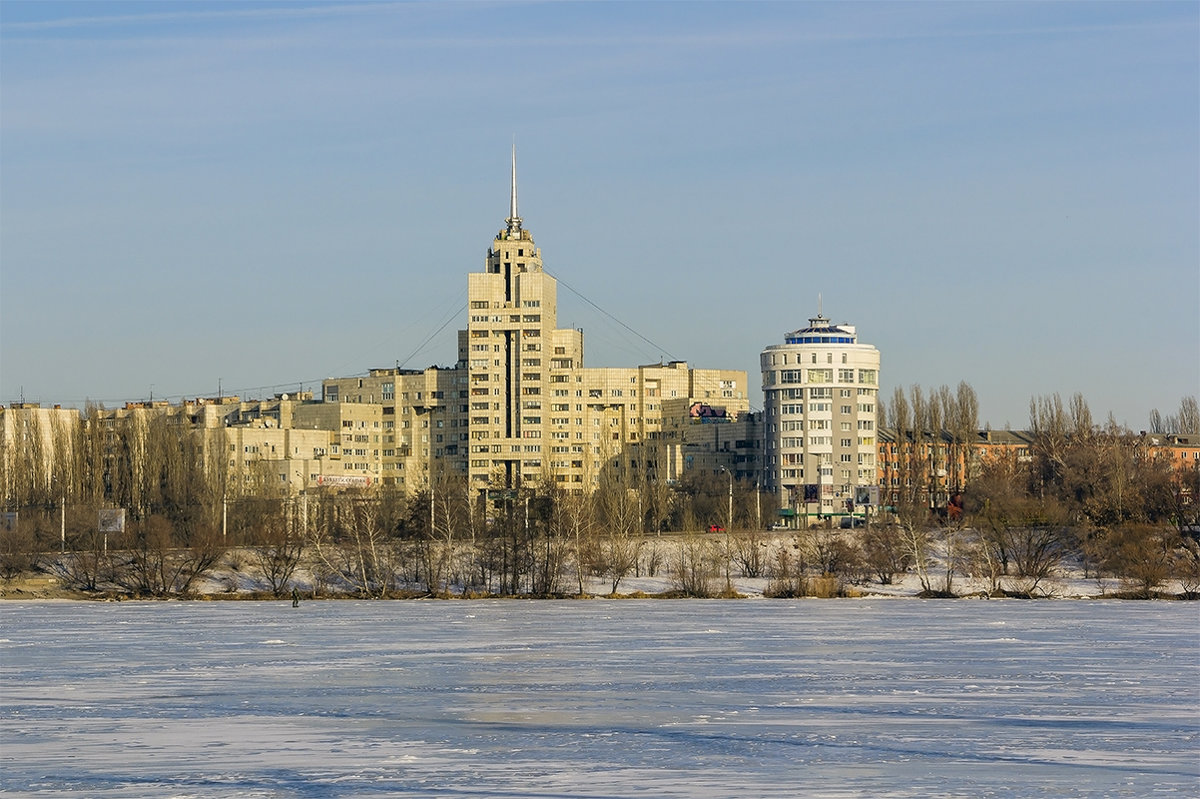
514 221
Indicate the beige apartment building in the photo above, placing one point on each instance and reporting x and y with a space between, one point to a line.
519 406
35 450
286 444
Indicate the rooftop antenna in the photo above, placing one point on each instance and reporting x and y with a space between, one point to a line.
819 304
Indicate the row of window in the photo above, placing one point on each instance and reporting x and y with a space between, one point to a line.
782 357
481 304
792 376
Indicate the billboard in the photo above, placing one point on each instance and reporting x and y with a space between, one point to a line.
111 520
866 495
343 480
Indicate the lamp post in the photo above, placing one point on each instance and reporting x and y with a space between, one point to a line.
62 518
728 525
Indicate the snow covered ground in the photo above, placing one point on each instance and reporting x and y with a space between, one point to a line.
684 698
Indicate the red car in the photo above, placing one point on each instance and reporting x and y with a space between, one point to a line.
716 528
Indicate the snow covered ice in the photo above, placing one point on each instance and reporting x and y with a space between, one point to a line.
673 698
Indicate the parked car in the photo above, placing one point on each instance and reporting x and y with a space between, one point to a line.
716 528
849 522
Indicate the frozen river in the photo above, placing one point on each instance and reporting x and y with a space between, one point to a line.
590 699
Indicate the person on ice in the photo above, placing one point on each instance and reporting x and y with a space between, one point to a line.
295 598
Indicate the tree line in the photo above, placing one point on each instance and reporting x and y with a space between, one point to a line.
1083 494
1097 496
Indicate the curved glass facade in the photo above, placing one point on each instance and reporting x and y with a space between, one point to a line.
826 339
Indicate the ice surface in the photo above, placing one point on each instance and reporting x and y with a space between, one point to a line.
590 699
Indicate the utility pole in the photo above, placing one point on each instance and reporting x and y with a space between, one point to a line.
728 525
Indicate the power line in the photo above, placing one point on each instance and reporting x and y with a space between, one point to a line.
449 318
577 293
275 388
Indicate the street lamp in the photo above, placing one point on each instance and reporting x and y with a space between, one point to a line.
728 525
729 520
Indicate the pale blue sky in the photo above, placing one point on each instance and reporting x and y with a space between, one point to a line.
264 195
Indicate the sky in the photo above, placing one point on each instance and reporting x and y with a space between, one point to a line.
247 198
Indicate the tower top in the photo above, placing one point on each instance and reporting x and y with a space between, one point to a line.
514 220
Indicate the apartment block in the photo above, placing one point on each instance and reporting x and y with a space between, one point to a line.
820 391
519 406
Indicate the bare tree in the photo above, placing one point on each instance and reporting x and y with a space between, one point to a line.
751 552
789 578
572 522
618 509
349 540
884 552
697 565
1142 555
155 565
278 546
18 550
1187 421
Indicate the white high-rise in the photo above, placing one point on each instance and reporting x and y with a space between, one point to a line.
820 391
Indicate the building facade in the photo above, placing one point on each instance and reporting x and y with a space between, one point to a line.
519 406
820 392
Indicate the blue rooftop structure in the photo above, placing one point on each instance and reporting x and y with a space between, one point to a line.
819 331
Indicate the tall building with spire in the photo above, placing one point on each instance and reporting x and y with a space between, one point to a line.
519 405
514 354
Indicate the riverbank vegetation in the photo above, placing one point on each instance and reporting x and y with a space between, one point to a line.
1086 501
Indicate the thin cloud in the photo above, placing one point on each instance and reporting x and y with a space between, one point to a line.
273 13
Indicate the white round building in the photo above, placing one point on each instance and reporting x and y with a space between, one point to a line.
820 390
